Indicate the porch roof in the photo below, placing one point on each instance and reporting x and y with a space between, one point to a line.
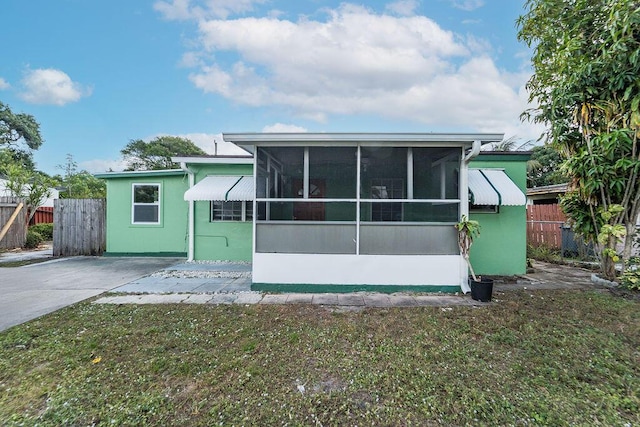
230 188
248 140
494 187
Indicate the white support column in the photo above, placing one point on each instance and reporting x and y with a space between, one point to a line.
191 213
255 203
443 179
410 173
358 168
305 179
267 184
463 194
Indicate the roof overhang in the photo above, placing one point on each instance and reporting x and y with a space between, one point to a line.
129 174
249 140
231 188
493 187
220 160
548 190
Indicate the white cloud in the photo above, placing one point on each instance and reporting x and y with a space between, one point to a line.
283 128
467 5
186 9
4 84
402 7
51 86
102 165
356 61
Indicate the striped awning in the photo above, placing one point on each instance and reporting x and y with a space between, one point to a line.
222 188
494 187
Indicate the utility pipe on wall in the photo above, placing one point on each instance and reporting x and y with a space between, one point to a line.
191 227
475 150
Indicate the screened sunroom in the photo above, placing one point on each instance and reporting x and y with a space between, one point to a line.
358 210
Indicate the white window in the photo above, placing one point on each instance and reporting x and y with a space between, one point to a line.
146 204
231 211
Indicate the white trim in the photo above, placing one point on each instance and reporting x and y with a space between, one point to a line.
328 269
305 173
239 160
360 138
409 172
358 183
243 211
463 194
134 204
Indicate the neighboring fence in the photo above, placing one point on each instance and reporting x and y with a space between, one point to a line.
79 228
17 233
544 224
43 215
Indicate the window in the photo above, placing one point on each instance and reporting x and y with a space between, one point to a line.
231 211
387 189
483 208
146 204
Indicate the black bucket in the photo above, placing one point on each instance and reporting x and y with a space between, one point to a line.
482 289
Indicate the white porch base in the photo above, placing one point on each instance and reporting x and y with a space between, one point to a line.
330 269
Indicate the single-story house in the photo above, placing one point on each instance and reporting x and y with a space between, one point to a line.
331 212
546 194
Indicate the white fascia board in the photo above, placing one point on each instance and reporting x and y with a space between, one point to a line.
248 139
124 174
239 160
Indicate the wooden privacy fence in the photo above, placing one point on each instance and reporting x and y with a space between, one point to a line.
544 225
79 228
17 232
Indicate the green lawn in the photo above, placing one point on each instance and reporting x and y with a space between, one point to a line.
532 358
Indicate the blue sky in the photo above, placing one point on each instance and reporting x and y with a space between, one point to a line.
97 74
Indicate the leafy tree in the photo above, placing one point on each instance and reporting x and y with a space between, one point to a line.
21 157
545 167
80 184
15 128
19 134
156 154
510 144
586 59
27 184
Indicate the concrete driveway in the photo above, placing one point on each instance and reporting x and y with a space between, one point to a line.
30 291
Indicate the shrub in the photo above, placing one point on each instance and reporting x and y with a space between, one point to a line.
33 239
630 279
543 253
45 230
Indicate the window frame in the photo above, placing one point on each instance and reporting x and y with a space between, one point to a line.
381 209
244 217
488 209
157 203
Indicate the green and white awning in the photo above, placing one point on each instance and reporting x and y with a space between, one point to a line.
494 187
222 188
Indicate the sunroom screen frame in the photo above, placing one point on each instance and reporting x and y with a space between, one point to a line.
281 271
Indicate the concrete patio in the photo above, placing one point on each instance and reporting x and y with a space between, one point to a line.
230 283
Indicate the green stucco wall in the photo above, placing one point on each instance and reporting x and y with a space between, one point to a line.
501 247
168 238
221 240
